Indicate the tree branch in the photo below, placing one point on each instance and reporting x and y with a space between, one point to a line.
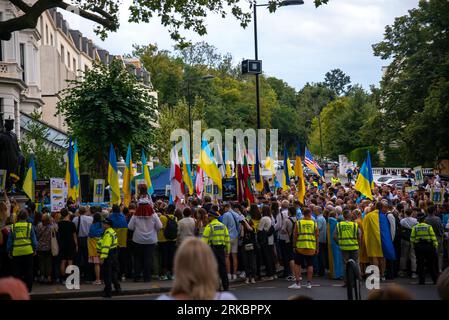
21 5
32 14
105 19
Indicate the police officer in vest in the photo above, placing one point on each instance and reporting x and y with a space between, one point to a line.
217 236
348 236
21 248
425 244
305 241
107 248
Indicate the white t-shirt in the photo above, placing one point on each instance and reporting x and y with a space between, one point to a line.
85 223
218 296
265 224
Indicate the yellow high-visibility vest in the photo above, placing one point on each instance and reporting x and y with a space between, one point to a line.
306 234
21 241
347 235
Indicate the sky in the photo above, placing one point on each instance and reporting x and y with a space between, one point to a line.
298 44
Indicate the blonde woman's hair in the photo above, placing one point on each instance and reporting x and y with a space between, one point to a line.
195 270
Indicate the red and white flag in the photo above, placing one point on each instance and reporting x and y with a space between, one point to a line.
176 185
199 182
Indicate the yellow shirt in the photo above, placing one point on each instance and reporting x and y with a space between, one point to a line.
160 233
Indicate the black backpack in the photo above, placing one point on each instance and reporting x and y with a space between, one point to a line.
171 229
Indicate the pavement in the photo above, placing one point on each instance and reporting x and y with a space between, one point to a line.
322 289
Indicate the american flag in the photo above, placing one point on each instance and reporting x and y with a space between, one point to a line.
311 163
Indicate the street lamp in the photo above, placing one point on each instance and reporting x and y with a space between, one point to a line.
189 104
255 5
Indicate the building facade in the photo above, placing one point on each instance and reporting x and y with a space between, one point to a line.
36 64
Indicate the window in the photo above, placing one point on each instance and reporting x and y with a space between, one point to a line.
1 106
46 33
62 54
22 60
1 42
68 59
74 65
51 39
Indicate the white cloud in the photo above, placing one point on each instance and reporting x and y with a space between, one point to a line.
298 44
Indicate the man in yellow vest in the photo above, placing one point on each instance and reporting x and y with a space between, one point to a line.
305 241
217 236
335 180
425 244
108 251
348 236
21 248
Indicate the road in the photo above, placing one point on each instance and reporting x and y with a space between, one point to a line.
323 289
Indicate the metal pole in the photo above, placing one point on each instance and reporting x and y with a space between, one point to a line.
190 120
257 57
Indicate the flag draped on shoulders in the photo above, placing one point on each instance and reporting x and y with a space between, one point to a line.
30 178
377 236
365 179
113 177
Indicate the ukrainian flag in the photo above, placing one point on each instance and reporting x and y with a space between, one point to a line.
127 178
186 172
269 164
28 184
113 177
364 181
300 174
227 164
286 176
208 164
377 236
259 180
72 171
146 174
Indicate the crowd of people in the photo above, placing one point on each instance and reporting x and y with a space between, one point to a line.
277 236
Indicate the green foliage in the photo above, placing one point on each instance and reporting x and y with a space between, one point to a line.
337 81
48 159
414 89
343 124
108 106
359 155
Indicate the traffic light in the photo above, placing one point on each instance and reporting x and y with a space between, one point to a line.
251 66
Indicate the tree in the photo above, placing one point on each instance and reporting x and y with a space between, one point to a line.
414 89
108 106
337 81
48 159
175 15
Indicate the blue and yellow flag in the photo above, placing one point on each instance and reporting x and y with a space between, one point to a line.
227 163
113 177
269 163
146 174
30 178
301 192
286 175
186 172
72 171
208 164
364 180
259 180
377 236
127 178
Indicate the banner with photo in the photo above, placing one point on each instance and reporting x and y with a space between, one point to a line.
98 190
229 189
419 176
437 195
58 194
